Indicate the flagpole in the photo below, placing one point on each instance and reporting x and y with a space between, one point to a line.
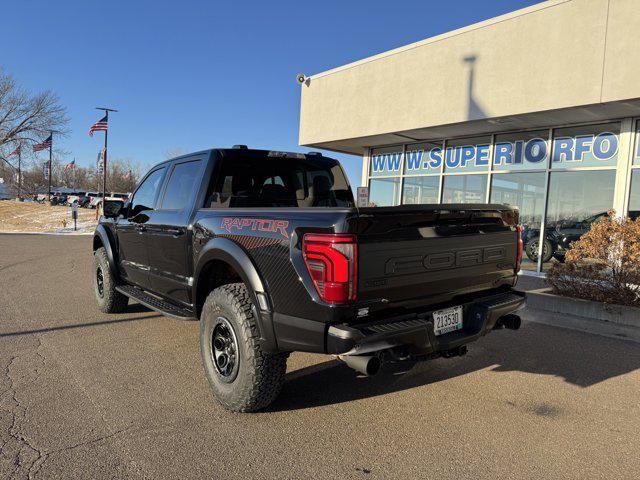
104 163
50 155
104 159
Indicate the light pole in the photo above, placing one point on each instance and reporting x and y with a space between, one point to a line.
50 156
20 172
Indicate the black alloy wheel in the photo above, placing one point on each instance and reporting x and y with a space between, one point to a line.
224 349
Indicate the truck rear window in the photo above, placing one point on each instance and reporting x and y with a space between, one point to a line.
252 180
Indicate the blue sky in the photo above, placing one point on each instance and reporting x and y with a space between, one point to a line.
193 74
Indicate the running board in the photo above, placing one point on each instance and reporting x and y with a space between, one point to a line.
155 303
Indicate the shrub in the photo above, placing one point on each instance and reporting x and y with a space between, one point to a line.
603 265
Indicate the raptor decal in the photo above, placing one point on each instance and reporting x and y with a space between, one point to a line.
255 225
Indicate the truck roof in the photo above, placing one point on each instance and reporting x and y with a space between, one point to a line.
236 149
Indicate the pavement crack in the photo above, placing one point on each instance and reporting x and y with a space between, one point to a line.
29 456
112 433
92 441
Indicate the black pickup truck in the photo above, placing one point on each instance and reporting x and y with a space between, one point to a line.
268 250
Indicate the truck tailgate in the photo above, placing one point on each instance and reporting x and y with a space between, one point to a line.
423 252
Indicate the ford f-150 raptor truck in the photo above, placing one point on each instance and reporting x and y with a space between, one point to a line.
268 250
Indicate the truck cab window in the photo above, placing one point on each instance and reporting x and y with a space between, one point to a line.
181 184
263 182
145 196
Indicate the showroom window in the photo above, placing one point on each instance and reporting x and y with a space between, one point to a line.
423 158
521 151
634 198
581 185
576 200
586 146
384 192
467 155
634 192
385 162
385 167
567 172
526 191
420 190
636 151
464 189
526 156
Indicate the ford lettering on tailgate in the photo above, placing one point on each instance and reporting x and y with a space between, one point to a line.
444 260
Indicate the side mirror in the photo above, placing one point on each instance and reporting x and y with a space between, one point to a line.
113 208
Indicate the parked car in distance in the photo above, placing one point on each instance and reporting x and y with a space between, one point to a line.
85 200
97 202
269 251
58 198
559 236
75 197
120 196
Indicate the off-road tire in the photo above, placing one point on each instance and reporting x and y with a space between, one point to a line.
108 298
259 376
531 250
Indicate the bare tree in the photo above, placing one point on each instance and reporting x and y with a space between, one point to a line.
25 117
173 153
33 180
123 175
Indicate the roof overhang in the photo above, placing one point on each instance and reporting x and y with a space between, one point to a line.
529 121
555 63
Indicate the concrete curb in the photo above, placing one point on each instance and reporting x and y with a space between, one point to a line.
571 322
544 300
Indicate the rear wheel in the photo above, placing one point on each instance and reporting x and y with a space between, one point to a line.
243 377
104 285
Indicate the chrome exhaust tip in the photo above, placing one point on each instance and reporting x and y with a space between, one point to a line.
368 365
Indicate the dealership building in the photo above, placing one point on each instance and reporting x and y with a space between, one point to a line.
538 108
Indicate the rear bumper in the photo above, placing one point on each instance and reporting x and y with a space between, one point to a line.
415 331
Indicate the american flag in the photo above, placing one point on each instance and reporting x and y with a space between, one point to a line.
44 145
100 125
70 165
16 151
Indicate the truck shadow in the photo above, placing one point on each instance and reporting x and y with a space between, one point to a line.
73 326
579 358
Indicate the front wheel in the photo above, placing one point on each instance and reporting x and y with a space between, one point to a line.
242 376
104 285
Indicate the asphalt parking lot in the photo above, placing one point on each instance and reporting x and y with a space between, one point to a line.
88 395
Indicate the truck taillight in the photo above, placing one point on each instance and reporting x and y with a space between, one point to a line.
519 248
332 261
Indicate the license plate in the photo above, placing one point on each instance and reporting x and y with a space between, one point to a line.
447 320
